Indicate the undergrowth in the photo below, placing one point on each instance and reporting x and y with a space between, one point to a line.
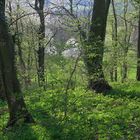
83 116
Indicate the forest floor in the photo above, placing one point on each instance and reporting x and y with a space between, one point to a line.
78 115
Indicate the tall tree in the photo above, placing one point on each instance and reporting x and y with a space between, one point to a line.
16 104
95 46
39 7
114 70
138 51
126 40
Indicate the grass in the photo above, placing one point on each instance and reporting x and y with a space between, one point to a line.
90 116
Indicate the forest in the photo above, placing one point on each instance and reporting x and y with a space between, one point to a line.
69 70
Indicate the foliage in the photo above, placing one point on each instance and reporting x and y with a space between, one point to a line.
115 115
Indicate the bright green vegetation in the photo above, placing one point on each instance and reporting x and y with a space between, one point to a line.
115 115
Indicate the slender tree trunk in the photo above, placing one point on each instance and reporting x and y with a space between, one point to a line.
16 104
124 71
126 42
18 42
41 51
2 91
115 39
112 74
17 39
138 52
39 7
95 48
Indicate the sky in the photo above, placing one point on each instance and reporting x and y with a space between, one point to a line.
81 2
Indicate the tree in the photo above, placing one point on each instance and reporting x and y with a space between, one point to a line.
95 47
39 7
138 51
114 70
16 104
2 91
126 40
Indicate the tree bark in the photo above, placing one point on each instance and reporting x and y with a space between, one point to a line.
39 7
16 104
95 47
2 91
126 41
115 44
138 52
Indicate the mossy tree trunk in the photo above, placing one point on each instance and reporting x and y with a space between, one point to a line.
95 47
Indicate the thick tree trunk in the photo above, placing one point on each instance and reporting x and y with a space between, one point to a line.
16 105
138 52
95 48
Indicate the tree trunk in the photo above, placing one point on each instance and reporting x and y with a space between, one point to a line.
112 74
124 71
127 39
16 104
95 48
2 91
39 7
115 40
138 52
